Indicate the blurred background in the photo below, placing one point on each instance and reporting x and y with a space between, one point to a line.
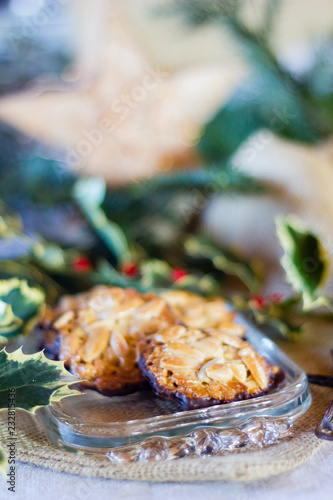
154 143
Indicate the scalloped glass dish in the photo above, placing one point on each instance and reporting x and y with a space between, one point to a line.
141 427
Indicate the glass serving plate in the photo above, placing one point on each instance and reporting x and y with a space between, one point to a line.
141 427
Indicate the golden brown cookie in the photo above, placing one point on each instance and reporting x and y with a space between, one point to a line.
200 368
99 334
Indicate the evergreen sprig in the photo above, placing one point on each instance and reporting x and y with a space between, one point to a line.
306 113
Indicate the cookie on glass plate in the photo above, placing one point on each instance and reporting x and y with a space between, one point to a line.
199 312
200 368
99 333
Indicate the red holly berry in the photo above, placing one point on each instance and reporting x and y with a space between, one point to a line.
81 264
130 269
178 273
257 301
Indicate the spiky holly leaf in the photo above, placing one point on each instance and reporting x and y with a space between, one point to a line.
8 322
304 261
36 380
89 194
19 304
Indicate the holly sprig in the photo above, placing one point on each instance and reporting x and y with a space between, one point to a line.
306 265
29 382
20 307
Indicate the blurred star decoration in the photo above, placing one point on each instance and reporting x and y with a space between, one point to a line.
119 114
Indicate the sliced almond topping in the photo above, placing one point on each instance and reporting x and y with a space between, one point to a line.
79 333
67 302
140 346
239 371
202 375
170 333
210 347
177 297
63 319
257 370
87 316
98 338
225 338
129 306
151 309
118 344
175 363
180 349
232 329
220 372
147 327
100 302
215 310
252 385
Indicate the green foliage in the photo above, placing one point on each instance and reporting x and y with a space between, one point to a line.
264 101
305 261
89 194
211 180
201 247
34 381
296 107
20 304
37 380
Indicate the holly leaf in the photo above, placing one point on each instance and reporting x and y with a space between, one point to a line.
280 323
90 191
89 194
305 261
155 274
36 380
200 247
9 324
19 305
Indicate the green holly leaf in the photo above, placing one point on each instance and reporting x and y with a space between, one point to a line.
50 256
19 305
9 324
108 275
36 380
90 191
285 327
89 194
200 247
304 261
155 274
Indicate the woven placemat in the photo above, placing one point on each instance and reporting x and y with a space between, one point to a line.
311 352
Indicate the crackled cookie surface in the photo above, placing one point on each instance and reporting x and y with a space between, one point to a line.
200 368
99 334
197 312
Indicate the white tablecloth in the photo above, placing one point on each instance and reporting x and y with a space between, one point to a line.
313 480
